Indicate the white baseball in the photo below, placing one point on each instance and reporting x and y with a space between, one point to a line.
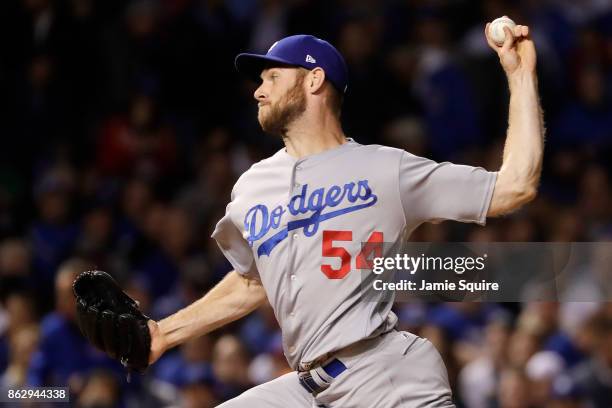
496 29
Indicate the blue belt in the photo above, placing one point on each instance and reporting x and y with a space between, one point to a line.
334 368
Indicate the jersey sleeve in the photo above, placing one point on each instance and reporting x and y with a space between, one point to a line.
432 191
233 245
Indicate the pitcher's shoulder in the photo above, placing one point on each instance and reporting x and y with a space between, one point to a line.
379 151
260 171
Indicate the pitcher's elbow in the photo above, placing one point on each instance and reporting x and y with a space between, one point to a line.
525 195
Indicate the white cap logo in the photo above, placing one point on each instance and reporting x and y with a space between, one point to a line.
310 59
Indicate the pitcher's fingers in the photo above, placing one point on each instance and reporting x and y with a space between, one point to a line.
521 31
509 39
517 31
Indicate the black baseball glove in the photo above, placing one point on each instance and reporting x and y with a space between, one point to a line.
111 320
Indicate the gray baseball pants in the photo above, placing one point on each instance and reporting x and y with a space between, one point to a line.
396 369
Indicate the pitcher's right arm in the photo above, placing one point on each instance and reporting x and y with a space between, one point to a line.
232 298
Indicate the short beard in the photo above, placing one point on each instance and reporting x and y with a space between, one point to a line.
286 111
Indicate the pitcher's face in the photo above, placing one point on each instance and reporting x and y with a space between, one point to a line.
281 98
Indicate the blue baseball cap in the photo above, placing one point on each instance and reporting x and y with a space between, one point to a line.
301 50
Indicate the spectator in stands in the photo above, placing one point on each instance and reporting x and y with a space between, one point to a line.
101 390
53 234
96 235
587 120
542 369
161 268
17 313
439 82
230 367
192 361
138 144
64 356
593 376
513 389
478 380
23 342
14 258
197 392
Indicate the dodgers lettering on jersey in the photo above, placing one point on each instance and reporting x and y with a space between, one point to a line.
259 220
298 225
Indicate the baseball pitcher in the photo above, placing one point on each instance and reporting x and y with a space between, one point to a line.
295 225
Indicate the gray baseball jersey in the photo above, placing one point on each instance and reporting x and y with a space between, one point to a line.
298 225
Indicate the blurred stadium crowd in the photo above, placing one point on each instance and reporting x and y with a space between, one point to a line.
124 126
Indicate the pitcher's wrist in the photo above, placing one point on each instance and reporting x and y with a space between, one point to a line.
521 78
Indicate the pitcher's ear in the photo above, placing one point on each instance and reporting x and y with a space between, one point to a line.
316 79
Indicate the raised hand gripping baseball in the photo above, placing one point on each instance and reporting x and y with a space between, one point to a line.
517 53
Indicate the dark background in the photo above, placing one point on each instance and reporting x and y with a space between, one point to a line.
123 126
